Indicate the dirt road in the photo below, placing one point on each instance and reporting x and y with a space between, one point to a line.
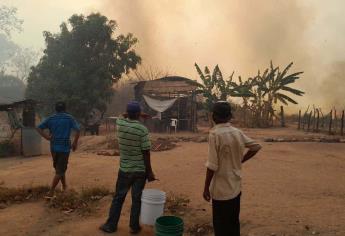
288 189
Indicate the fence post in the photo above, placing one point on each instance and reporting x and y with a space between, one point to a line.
317 120
330 122
314 120
299 119
309 119
342 124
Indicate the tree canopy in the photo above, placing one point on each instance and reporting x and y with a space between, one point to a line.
11 88
81 63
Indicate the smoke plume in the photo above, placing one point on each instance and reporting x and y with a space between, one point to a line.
242 36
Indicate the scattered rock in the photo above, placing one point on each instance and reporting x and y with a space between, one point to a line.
3 206
201 139
17 198
108 153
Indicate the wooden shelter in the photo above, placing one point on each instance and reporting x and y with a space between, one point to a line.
179 92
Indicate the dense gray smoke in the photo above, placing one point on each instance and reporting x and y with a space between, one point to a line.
240 35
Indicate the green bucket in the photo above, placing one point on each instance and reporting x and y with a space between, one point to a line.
169 226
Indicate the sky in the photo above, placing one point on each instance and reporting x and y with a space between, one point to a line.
239 35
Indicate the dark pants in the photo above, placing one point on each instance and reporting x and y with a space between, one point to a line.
60 162
226 217
125 181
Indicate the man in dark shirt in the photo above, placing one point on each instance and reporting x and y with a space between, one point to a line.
60 126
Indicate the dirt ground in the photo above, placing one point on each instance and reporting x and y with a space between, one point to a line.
288 189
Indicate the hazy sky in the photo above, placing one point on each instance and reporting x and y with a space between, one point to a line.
240 35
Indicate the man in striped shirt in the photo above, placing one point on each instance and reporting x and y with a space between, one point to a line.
135 168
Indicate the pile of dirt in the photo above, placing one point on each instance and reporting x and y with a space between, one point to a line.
101 145
162 144
307 139
109 146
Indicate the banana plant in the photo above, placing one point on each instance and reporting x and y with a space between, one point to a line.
215 88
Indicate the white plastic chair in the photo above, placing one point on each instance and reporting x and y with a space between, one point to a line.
173 123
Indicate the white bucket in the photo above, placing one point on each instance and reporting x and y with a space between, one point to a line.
152 206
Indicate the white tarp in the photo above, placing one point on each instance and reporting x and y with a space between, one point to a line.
159 105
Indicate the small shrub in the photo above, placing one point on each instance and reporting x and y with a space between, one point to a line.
176 204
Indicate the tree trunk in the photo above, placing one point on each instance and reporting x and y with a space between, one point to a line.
299 119
282 117
317 120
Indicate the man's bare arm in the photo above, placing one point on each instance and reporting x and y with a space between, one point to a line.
147 160
43 134
208 179
75 141
253 150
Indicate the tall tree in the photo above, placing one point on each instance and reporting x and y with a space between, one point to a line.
22 61
8 22
11 88
81 63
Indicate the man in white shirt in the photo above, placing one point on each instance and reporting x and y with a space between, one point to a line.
223 177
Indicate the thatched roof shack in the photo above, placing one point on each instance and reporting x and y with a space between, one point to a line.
167 98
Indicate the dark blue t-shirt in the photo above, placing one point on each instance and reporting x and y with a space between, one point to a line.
60 126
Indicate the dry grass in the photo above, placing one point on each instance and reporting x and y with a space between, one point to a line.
69 201
176 204
11 195
200 229
82 202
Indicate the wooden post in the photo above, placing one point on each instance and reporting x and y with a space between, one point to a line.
305 117
282 118
317 120
330 122
299 119
314 120
323 120
335 122
309 120
342 124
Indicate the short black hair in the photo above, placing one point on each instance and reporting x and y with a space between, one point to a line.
222 110
133 115
60 107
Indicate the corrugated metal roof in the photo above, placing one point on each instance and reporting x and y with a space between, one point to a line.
8 101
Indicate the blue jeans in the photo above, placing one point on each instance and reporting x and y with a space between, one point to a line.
136 181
